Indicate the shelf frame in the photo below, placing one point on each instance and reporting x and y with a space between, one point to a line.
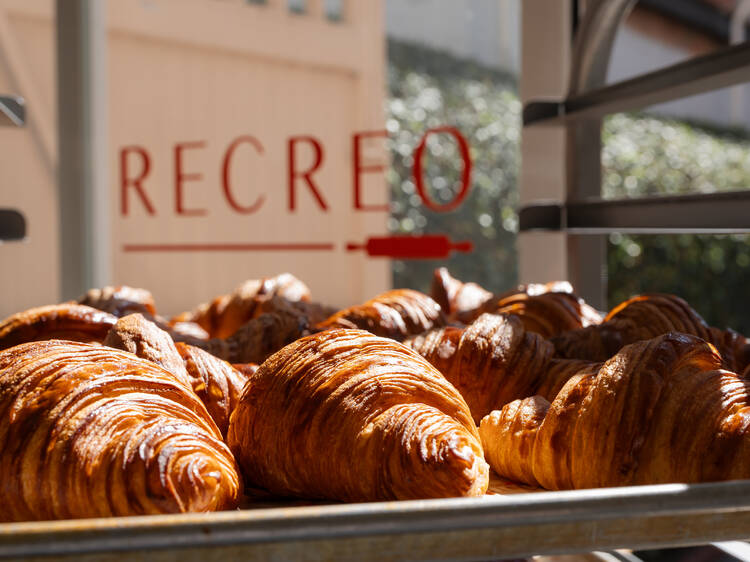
638 517
579 214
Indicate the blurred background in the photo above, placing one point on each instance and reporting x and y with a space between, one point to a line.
216 109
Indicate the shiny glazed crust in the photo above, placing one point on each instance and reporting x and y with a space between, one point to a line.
659 411
491 362
349 416
89 431
395 314
217 383
67 321
223 316
644 317
547 314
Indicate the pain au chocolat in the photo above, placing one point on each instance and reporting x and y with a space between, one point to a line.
90 431
346 415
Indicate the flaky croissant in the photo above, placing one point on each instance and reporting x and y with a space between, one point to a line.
491 362
547 313
644 317
223 316
67 321
215 381
395 314
661 410
89 431
459 300
120 300
346 415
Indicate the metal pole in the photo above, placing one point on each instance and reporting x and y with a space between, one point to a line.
82 145
587 261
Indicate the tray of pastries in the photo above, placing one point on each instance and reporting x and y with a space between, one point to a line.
456 425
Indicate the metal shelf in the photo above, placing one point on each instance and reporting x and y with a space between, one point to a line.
12 111
489 527
648 215
12 114
714 71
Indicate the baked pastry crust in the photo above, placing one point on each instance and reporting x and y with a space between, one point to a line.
395 314
90 431
75 322
648 316
491 362
350 416
660 410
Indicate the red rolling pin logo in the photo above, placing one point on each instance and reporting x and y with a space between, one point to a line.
429 246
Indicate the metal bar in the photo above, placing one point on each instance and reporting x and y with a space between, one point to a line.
714 71
718 213
12 225
464 528
12 111
82 141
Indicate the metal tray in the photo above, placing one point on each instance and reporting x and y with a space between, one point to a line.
487 528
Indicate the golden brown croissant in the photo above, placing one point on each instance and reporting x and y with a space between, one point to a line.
491 362
216 382
223 316
395 314
347 415
68 321
547 314
260 337
89 431
644 317
120 301
459 301
143 338
661 410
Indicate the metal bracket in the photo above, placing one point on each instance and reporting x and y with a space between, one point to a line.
12 111
695 213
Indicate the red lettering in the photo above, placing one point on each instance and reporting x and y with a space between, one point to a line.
135 182
463 147
306 175
225 175
180 177
359 168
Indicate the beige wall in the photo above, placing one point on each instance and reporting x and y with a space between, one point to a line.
209 71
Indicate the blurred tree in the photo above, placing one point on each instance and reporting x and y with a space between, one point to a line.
641 155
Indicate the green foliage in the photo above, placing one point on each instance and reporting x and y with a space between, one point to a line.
429 90
642 155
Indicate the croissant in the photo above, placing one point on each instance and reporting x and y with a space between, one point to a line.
61 321
216 382
491 362
223 316
120 301
661 410
395 314
459 300
644 317
260 337
547 314
350 416
89 431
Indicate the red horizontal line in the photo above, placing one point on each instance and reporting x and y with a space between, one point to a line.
228 247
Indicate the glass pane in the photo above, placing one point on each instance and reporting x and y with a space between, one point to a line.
710 272
452 67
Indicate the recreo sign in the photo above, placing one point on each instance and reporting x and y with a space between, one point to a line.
136 164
